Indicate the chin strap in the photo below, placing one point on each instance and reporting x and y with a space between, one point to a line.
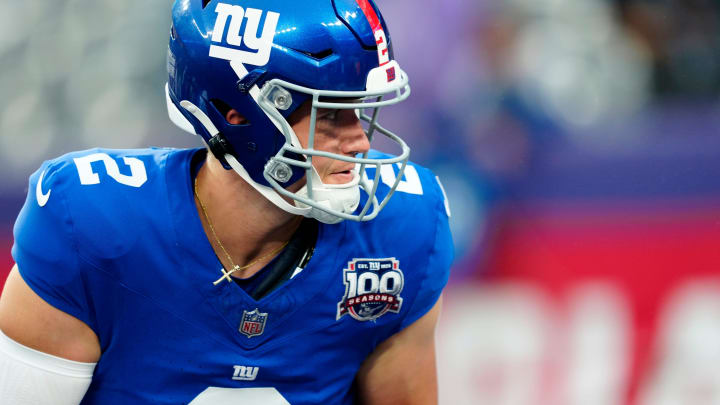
344 198
337 197
267 192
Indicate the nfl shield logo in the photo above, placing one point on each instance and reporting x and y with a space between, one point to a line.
253 323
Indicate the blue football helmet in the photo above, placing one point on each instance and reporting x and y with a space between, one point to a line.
264 58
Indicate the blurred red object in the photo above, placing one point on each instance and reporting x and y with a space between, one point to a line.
6 260
618 302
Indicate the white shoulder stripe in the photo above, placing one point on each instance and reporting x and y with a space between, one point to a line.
42 198
447 203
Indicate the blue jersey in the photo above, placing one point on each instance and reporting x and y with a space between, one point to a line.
114 239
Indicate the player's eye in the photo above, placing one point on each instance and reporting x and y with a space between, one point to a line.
328 114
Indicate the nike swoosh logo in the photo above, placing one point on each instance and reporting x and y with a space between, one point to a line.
42 199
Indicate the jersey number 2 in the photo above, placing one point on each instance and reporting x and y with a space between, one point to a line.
137 177
409 184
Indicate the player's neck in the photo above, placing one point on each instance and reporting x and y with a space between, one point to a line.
246 223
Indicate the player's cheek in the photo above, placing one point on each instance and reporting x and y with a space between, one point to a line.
322 165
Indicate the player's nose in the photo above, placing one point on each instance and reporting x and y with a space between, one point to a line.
354 139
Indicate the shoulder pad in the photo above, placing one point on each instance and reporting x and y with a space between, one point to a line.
108 194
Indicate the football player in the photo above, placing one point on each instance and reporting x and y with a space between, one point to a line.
270 267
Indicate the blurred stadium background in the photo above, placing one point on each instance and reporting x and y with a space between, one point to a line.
577 140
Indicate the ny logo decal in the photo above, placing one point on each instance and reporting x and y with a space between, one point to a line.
260 47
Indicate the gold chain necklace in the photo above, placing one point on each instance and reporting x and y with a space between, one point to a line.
235 267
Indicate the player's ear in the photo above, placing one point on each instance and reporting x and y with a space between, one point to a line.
234 117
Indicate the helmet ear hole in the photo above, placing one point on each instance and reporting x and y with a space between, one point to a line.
205 3
232 116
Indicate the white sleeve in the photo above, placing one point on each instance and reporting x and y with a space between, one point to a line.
30 377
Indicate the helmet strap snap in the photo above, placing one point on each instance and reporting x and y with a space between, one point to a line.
219 146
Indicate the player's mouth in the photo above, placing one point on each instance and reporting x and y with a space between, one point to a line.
340 177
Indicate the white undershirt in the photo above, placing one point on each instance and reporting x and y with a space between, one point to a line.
31 377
